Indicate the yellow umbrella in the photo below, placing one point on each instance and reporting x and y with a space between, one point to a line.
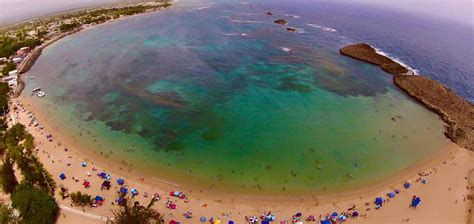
217 221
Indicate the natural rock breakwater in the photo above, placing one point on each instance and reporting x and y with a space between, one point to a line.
457 112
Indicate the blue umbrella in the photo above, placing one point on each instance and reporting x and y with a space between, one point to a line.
62 176
334 214
231 222
326 222
123 190
120 181
391 194
99 198
407 185
202 219
378 201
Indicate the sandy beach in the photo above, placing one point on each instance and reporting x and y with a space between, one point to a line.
444 196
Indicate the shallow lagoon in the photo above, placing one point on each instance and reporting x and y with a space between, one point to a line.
220 96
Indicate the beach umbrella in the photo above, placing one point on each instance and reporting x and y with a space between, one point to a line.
121 201
176 193
62 176
99 198
415 202
123 190
173 222
342 218
217 221
253 219
407 185
231 222
134 191
284 222
391 194
202 219
378 201
86 184
120 181
265 222
326 222
102 175
88 173
299 214
83 164
355 214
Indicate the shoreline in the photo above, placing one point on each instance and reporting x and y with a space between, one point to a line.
457 112
31 58
217 202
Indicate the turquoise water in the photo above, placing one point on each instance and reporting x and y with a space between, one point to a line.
212 96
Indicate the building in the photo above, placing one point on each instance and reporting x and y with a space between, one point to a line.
23 51
16 60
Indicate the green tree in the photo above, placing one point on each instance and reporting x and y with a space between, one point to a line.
133 212
9 181
35 205
8 67
7 216
80 199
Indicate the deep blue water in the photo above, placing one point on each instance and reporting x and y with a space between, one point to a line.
440 49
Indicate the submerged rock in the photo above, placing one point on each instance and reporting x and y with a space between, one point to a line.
281 21
269 13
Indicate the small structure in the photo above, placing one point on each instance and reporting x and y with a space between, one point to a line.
106 184
17 60
23 51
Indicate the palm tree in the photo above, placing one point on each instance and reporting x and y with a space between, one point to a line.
132 212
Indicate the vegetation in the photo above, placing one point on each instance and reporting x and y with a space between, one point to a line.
9 45
80 199
132 212
9 66
65 27
36 206
7 216
9 181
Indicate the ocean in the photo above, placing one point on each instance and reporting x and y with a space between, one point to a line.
216 95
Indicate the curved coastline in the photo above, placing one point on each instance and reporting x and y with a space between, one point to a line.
345 197
456 111
31 58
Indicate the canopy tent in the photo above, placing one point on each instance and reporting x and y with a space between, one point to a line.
106 184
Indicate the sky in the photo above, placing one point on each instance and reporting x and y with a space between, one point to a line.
461 11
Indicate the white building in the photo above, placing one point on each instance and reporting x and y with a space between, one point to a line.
16 60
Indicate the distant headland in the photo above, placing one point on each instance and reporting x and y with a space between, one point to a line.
456 111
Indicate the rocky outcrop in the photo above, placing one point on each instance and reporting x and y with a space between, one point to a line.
291 29
281 21
365 52
456 111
